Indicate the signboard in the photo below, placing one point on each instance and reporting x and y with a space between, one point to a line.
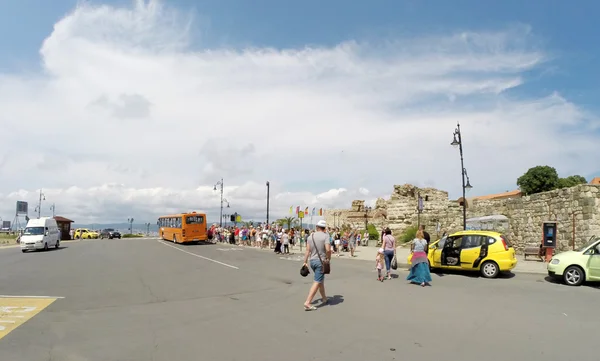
238 218
300 214
21 208
420 206
5 225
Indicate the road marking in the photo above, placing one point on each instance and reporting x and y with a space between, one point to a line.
229 249
197 255
9 296
15 311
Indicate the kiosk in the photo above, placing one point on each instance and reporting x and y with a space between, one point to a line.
549 230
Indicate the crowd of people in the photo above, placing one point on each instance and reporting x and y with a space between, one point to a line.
321 244
281 240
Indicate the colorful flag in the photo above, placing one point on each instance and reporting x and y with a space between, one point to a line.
291 209
314 211
297 209
306 211
321 211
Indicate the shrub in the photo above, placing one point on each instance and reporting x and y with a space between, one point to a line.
408 234
133 236
373 234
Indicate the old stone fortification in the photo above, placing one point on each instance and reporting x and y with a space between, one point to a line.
526 214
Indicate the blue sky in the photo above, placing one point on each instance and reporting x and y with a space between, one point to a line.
569 32
363 94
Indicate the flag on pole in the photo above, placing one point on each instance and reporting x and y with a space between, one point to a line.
297 209
291 209
321 211
314 211
306 211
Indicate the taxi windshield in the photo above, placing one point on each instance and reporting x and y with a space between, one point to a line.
591 241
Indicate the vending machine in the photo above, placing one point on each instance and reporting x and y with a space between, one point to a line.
549 231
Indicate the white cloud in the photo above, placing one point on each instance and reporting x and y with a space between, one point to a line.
126 119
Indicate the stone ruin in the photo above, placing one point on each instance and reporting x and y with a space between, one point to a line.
576 209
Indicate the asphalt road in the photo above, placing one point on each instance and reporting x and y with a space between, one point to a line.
143 300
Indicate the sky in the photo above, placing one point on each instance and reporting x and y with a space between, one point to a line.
119 109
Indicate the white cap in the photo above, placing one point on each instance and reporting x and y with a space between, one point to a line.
322 223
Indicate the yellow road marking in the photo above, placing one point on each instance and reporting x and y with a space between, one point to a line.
16 311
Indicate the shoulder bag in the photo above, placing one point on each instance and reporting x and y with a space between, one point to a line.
326 264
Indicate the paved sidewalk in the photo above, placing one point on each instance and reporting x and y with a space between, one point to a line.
369 253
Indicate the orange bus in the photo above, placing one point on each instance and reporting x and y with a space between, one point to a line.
183 228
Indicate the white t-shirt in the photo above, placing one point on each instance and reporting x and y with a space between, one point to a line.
285 238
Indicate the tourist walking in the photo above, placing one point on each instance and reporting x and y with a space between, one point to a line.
318 251
285 239
426 237
379 264
352 243
419 270
389 250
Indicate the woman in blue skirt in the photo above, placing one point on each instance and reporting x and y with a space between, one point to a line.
419 270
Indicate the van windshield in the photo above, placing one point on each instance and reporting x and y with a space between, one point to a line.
34 231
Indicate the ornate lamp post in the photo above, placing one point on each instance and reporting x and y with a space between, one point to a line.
130 221
220 184
466 184
367 210
268 189
38 209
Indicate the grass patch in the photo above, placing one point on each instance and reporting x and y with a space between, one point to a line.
132 236
4 236
7 239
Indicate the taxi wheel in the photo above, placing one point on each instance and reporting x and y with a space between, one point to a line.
574 276
490 269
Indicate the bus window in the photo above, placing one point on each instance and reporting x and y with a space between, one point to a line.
194 220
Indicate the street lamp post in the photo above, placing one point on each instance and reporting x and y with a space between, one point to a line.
38 209
466 184
268 190
220 184
53 209
130 221
367 209
225 216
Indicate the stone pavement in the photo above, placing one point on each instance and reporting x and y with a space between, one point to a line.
531 265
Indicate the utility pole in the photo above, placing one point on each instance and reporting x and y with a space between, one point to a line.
53 208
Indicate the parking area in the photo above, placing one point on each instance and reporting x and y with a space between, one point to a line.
144 299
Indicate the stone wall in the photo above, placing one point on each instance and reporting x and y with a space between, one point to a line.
526 214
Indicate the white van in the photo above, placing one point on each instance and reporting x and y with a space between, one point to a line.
40 233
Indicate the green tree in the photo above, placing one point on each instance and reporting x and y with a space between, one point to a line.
538 179
287 221
571 181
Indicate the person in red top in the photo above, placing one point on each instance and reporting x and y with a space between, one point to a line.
237 235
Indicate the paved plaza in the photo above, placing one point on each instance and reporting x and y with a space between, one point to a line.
144 299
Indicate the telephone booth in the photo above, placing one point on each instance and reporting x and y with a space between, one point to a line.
549 231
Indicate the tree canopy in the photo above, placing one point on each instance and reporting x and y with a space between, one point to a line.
543 178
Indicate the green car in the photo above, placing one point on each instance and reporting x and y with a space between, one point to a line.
576 267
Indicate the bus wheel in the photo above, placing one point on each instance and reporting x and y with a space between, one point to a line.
175 239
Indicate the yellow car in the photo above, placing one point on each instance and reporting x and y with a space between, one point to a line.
487 252
83 233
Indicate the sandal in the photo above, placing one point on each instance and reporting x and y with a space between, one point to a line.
309 308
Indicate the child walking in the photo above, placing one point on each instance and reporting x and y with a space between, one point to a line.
379 259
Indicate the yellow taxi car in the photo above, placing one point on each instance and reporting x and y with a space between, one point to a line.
484 251
84 233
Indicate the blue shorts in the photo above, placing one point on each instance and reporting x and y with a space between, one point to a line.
317 268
